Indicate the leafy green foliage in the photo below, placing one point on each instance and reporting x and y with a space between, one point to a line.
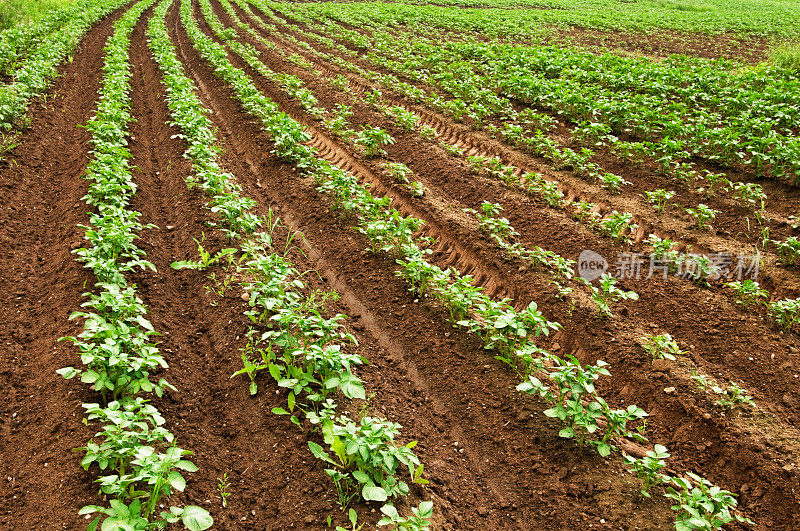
366 451
419 520
786 312
649 468
617 225
607 293
788 250
701 504
371 139
662 347
748 291
659 198
138 455
702 215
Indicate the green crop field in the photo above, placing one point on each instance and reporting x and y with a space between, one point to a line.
409 265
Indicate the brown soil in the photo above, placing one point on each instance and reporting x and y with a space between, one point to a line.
494 461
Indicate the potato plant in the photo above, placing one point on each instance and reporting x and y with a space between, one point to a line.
371 139
702 215
366 451
701 504
607 293
649 468
662 347
40 65
304 347
785 312
139 456
748 292
658 198
788 250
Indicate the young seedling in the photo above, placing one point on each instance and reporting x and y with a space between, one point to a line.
649 468
206 258
788 250
607 293
664 251
662 347
398 171
404 119
488 221
659 198
700 269
702 215
748 292
340 83
612 182
371 139
427 132
416 188
751 195
452 149
352 516
550 193
701 504
733 396
617 224
418 521
366 451
584 211
222 487
785 312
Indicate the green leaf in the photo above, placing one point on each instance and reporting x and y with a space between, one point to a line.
196 518
319 453
362 477
176 480
567 433
276 372
89 377
390 511
280 411
373 493
120 508
603 449
290 401
188 466
68 372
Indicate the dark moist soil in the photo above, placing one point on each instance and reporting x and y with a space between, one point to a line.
494 461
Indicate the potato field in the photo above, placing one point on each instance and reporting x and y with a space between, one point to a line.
405 265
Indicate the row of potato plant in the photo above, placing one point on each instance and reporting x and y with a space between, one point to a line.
138 456
690 106
575 402
289 338
618 225
34 75
527 129
515 130
602 295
